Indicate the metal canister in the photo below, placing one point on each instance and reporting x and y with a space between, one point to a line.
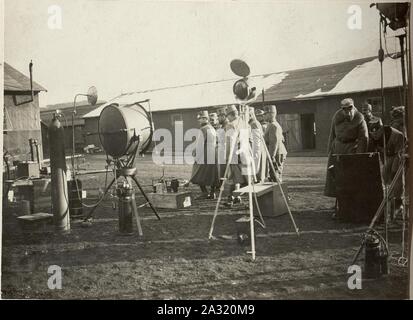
372 262
75 198
25 207
125 210
384 261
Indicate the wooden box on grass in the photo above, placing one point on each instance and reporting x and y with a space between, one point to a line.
36 191
35 222
170 200
28 169
270 199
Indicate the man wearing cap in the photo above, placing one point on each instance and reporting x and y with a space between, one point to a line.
234 177
366 110
213 120
370 119
397 118
260 117
221 152
348 134
394 153
222 117
274 140
204 171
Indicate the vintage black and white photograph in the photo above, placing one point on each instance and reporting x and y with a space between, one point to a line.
205 150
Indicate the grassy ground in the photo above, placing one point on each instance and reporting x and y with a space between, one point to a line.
176 260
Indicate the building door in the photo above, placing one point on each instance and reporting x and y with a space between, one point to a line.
291 124
308 130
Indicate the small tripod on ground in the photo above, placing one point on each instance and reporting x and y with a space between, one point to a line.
125 167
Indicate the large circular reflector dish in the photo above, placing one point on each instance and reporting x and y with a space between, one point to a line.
122 128
240 68
92 96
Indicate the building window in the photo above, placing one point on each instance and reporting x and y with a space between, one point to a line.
376 105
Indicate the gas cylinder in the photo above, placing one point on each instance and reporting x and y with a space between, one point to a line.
384 260
372 262
125 209
60 203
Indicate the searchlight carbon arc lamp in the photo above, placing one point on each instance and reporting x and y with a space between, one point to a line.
242 88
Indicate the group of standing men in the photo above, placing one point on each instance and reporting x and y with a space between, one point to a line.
353 131
223 152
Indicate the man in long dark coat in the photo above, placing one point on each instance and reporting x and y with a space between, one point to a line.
205 172
348 134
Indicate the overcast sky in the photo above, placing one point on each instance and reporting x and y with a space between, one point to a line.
121 46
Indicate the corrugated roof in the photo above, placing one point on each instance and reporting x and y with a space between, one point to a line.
339 78
334 79
14 80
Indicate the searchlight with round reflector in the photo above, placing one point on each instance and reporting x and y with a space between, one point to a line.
125 129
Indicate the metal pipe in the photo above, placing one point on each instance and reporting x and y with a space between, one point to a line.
60 199
31 79
31 149
36 144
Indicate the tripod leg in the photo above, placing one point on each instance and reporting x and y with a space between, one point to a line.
282 191
221 191
135 212
146 198
267 153
377 214
89 215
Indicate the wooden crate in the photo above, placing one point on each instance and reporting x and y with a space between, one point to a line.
35 222
171 200
269 196
28 169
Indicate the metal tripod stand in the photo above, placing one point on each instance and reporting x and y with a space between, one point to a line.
250 172
126 169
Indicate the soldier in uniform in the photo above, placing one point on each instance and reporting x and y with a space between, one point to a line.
256 137
260 117
221 152
370 119
213 120
204 171
274 140
348 134
397 119
222 117
394 152
234 177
